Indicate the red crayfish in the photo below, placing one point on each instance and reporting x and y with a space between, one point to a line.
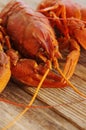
69 22
34 43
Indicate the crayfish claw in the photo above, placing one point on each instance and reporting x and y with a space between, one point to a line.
27 71
5 72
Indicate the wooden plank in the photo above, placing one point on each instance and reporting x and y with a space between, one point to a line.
34 119
74 110
82 59
71 112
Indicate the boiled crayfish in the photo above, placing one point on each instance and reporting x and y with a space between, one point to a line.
69 21
33 50
33 46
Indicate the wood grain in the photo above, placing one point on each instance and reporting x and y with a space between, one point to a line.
68 111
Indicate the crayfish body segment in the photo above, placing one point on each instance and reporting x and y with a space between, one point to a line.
33 38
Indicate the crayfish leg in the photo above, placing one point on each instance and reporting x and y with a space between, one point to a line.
80 35
72 59
57 15
5 72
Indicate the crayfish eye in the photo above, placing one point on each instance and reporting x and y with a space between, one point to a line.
41 50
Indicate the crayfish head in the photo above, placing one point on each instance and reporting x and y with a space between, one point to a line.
52 48
45 39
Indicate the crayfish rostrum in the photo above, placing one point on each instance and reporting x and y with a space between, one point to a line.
69 22
33 45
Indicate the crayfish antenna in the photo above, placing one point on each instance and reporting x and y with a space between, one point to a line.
68 82
30 103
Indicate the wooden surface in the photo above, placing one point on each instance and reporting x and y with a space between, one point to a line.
68 113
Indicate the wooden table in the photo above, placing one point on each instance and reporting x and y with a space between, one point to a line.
68 113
